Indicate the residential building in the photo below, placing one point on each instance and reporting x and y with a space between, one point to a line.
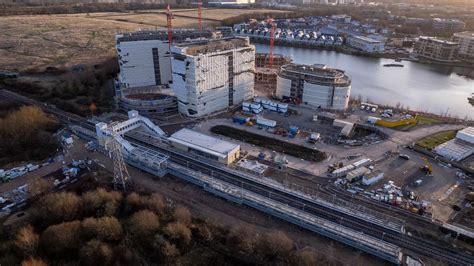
435 49
212 75
144 56
191 141
466 43
314 85
448 24
366 44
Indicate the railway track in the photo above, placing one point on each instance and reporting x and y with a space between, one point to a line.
413 245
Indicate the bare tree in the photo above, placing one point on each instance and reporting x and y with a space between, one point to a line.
179 233
104 228
58 207
182 215
101 202
276 245
39 186
60 239
26 240
143 223
244 238
33 262
96 252
308 258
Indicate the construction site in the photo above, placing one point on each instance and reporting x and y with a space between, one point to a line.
279 138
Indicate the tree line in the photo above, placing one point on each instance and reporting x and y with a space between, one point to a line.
101 227
26 134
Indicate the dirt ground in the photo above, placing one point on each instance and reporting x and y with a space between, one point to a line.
36 41
444 189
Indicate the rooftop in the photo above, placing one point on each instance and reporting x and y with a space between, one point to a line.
214 45
434 39
204 143
178 34
318 71
465 34
366 39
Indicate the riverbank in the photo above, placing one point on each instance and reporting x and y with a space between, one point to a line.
340 49
344 49
425 87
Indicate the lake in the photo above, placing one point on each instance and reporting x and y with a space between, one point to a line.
432 88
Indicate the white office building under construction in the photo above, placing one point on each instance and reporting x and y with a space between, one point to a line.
314 85
212 75
144 56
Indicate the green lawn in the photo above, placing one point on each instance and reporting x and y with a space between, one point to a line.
421 121
434 140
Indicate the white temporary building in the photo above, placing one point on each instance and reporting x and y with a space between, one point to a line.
466 135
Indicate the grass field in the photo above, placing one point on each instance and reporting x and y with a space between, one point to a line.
436 139
38 41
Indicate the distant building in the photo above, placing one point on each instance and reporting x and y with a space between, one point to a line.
341 18
231 2
144 56
435 49
366 44
191 141
448 24
212 75
466 43
225 30
315 85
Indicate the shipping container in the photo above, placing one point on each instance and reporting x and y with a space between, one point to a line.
265 122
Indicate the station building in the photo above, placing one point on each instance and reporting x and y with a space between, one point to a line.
188 140
314 85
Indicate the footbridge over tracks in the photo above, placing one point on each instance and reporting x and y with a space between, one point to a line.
141 157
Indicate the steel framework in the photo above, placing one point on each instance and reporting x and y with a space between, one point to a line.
121 175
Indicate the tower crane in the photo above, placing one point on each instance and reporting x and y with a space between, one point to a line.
272 24
169 17
200 14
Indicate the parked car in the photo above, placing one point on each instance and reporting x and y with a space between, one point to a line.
404 156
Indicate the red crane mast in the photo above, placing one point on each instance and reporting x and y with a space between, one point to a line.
169 17
272 23
200 14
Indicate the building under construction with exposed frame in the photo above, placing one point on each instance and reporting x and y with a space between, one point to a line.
212 75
